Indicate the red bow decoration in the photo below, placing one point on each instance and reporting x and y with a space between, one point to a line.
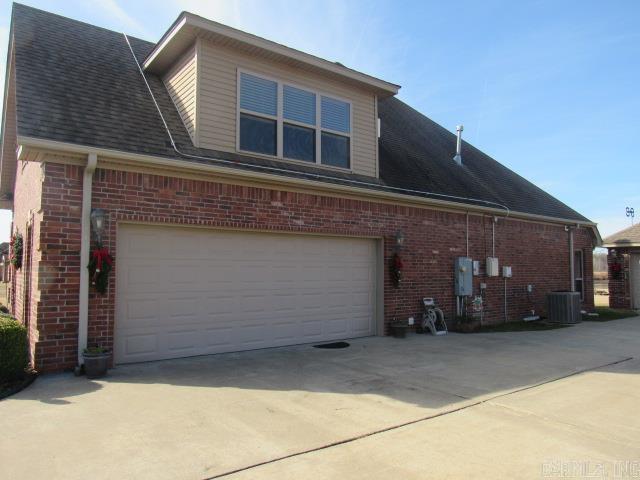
101 256
396 269
99 267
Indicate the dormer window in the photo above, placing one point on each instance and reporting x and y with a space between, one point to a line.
258 127
293 123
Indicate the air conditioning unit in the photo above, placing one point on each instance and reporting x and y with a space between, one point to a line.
564 307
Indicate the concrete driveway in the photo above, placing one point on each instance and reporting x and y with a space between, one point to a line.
521 405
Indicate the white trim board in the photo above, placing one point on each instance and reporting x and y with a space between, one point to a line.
188 26
186 166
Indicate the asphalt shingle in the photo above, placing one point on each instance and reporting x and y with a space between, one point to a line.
78 83
628 236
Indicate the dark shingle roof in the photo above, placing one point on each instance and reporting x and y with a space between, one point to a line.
628 236
78 83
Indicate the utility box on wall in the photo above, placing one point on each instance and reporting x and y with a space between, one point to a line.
492 267
463 276
476 268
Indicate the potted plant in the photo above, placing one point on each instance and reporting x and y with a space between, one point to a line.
399 328
96 361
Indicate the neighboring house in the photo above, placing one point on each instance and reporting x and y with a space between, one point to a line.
4 262
267 211
624 268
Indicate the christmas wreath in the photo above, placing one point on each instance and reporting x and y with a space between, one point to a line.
100 265
16 245
396 269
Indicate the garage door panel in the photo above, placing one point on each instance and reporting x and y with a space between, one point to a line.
135 244
219 305
336 325
285 331
284 303
361 324
182 291
182 340
139 310
188 274
141 344
142 277
360 273
312 330
183 307
360 299
217 337
251 334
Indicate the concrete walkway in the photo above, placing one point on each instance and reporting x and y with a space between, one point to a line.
522 404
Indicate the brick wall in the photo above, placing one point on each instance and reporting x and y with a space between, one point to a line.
60 269
538 253
24 295
619 284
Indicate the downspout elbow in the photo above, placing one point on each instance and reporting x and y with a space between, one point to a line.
92 163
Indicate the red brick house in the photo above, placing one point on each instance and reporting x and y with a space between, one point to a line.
252 196
623 260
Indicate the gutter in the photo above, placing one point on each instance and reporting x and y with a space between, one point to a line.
280 180
85 244
620 245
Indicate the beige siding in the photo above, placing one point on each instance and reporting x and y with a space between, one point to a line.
217 92
180 81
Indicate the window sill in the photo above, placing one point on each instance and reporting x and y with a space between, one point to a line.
295 162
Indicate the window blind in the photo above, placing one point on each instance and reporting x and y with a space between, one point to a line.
299 105
335 114
258 94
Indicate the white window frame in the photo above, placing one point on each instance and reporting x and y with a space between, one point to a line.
280 121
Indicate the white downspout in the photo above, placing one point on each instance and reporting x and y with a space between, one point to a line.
571 260
85 244
467 234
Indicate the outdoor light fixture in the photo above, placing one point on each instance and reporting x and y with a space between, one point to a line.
98 220
399 238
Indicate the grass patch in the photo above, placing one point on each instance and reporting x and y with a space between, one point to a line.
607 314
535 326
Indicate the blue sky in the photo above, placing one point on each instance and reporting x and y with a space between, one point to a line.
548 88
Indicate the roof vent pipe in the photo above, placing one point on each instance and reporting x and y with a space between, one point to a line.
458 157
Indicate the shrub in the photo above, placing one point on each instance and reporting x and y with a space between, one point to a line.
13 348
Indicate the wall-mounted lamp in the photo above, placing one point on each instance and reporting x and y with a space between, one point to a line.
98 220
399 239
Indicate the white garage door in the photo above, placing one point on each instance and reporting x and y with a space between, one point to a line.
188 291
